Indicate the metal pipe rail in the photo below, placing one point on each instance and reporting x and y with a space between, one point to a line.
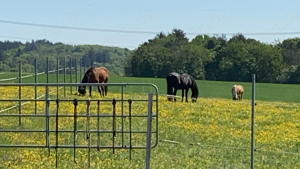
80 84
67 115
78 131
71 146
66 100
22 77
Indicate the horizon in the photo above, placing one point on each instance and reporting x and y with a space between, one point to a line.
129 24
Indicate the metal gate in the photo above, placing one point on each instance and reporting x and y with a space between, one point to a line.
52 130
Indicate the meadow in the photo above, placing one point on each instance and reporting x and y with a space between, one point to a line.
212 133
208 89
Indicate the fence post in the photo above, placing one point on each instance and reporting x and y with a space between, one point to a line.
47 100
20 91
80 69
252 120
35 81
149 122
122 112
70 66
57 73
47 70
76 73
65 76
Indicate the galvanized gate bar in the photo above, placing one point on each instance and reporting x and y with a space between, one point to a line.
66 100
252 122
81 84
97 145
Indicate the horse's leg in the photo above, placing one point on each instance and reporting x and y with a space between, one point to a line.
99 90
174 94
90 91
186 94
103 90
105 87
182 95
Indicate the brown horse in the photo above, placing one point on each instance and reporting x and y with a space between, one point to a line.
237 92
95 75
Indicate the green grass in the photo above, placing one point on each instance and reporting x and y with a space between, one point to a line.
224 125
208 89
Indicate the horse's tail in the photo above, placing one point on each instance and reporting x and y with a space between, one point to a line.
105 79
169 85
105 87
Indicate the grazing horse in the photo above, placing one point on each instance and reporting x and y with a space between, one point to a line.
95 75
237 92
183 82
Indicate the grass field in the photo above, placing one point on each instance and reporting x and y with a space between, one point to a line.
207 89
220 126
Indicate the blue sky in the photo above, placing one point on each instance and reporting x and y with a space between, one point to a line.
193 17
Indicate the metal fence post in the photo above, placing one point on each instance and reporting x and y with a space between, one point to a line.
122 111
47 70
35 81
148 140
80 69
65 76
20 91
76 74
252 120
47 101
57 74
70 66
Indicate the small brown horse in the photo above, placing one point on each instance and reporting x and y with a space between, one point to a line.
237 92
95 75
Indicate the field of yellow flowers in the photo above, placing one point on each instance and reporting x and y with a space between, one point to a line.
212 133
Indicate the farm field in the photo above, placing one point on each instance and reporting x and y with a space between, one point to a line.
207 89
218 127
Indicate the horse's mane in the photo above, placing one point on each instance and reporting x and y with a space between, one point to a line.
91 69
86 74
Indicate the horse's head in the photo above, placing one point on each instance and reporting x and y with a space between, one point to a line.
194 99
234 93
81 90
195 90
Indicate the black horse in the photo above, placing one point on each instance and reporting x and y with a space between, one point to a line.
183 82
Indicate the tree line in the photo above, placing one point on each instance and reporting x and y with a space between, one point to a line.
204 57
216 58
11 52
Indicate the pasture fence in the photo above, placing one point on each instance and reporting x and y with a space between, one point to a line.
253 126
8 112
118 115
73 70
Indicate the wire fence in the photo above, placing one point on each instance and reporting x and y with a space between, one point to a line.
73 76
260 133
